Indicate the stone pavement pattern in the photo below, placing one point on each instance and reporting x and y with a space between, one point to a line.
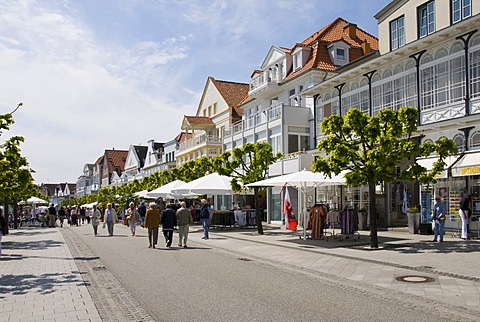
39 280
454 265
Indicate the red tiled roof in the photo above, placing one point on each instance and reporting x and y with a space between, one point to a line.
199 119
115 158
183 136
233 93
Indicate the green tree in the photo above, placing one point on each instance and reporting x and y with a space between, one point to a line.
373 148
16 181
247 164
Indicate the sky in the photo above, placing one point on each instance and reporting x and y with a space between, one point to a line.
102 74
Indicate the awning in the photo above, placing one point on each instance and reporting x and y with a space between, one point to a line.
427 163
468 165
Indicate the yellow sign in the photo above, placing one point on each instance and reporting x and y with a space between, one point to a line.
470 170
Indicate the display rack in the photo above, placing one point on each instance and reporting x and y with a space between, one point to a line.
454 197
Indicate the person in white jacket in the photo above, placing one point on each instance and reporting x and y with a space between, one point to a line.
96 216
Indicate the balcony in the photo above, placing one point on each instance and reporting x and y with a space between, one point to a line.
198 142
296 114
264 85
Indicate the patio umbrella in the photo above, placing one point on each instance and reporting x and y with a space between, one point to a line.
141 194
165 191
212 184
304 181
33 201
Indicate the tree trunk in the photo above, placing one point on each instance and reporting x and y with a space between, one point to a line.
373 215
258 213
15 216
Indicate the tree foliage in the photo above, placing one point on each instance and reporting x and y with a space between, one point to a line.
247 164
373 148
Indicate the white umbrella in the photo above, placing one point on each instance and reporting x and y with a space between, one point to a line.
212 184
304 181
141 194
165 190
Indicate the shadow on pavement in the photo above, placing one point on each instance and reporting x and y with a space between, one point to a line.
27 283
448 246
32 245
25 231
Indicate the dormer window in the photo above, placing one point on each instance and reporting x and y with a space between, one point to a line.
338 52
297 61
341 54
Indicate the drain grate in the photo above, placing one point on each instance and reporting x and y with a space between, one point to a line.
244 259
415 279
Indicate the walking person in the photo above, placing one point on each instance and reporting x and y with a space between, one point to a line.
205 217
142 210
184 219
96 216
52 216
3 229
110 218
152 222
133 217
465 214
439 216
169 221
61 216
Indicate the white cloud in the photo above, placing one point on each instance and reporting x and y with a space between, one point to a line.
81 95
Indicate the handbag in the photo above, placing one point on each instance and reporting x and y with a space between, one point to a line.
442 218
104 225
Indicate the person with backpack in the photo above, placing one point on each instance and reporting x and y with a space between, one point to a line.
3 229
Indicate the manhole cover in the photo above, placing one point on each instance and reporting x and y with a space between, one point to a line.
244 259
415 279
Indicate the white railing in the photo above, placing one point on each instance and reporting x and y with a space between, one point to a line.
200 140
262 117
262 79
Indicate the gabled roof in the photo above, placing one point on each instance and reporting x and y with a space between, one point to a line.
198 120
115 158
158 146
99 160
141 153
183 136
319 41
233 93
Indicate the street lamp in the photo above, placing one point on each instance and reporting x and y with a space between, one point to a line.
18 106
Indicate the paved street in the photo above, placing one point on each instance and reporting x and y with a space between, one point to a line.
237 275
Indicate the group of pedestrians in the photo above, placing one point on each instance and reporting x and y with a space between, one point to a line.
440 215
168 218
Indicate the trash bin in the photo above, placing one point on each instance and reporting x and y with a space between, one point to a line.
362 220
413 222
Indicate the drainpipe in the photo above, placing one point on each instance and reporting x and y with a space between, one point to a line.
465 38
315 97
417 58
339 89
369 76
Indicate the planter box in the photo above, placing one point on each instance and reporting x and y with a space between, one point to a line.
413 222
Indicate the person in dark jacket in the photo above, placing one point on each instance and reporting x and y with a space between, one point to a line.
205 213
52 216
169 221
61 216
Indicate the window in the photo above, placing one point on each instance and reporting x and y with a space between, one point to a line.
214 108
459 142
340 54
397 33
461 9
426 19
297 61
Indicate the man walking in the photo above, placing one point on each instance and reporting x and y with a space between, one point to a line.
152 222
184 219
169 221
439 216
110 218
52 216
205 217
142 210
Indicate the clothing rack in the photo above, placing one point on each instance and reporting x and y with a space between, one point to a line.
333 221
349 224
316 221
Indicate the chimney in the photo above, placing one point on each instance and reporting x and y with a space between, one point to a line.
351 30
366 47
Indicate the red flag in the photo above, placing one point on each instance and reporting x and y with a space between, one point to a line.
290 218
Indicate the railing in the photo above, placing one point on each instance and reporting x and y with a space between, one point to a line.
262 79
262 117
200 140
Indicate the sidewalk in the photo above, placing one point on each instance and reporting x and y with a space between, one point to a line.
39 280
453 265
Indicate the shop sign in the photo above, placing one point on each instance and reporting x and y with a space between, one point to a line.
469 171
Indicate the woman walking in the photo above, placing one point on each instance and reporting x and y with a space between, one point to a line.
96 215
152 222
110 218
133 217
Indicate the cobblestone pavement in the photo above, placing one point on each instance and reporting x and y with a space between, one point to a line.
39 280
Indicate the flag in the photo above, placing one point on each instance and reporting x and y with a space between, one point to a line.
290 219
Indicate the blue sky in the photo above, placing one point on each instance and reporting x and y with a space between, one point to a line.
102 74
